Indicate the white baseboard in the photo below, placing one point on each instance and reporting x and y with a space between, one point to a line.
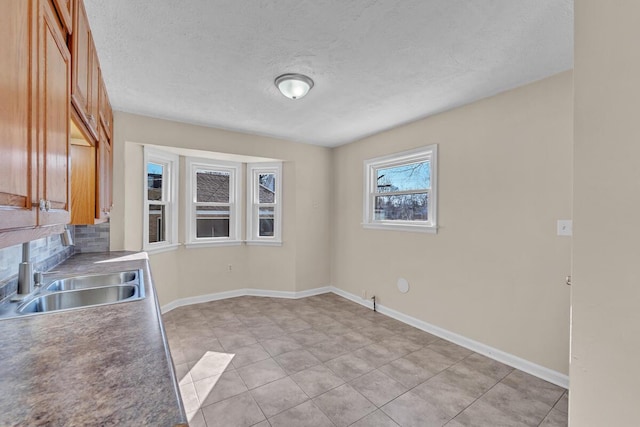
243 292
201 298
534 369
288 294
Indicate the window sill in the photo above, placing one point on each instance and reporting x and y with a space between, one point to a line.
159 249
402 227
264 242
195 245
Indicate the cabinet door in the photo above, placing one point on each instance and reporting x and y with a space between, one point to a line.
16 136
103 184
80 43
106 114
83 179
94 90
54 80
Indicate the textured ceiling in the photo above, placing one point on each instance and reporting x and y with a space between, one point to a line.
376 64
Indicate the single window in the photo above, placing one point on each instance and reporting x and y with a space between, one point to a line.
213 202
160 206
264 203
400 191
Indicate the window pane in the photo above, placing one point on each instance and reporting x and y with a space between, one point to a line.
415 176
154 181
266 216
212 221
266 188
404 207
212 186
157 220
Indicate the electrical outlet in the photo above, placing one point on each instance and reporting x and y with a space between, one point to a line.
565 227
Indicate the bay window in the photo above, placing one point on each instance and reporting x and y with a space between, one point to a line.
213 206
264 204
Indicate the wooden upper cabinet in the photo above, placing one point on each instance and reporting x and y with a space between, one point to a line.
53 99
40 84
65 13
17 186
94 90
106 113
80 50
104 179
84 88
35 72
94 117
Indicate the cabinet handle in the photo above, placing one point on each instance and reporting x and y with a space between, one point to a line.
47 205
43 205
91 118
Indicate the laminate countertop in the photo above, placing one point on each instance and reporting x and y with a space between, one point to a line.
96 366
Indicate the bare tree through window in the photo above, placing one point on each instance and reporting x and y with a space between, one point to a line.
402 196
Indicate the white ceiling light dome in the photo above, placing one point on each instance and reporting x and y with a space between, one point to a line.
294 86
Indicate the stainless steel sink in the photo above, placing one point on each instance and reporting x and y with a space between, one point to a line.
93 280
73 292
79 298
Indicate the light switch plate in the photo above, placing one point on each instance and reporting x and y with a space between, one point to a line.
565 227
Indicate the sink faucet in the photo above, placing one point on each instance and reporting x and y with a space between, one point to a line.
26 280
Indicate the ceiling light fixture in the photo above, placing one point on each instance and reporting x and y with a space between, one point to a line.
294 86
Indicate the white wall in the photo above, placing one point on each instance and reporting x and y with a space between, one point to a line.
495 271
302 262
605 338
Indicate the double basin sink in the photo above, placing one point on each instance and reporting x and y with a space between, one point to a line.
80 291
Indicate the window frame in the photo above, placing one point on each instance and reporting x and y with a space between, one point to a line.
426 153
235 202
171 165
253 205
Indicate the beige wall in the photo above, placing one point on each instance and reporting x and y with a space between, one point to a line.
605 339
302 262
495 271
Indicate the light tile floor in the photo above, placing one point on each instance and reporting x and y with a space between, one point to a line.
326 361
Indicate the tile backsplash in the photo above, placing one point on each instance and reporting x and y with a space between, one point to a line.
92 238
49 252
